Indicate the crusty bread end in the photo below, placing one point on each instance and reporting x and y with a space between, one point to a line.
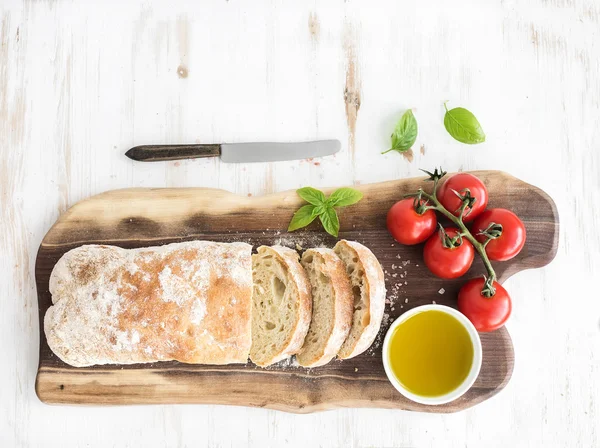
368 287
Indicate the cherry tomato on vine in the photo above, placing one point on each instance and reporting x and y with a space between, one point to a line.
447 255
407 226
512 233
463 183
485 313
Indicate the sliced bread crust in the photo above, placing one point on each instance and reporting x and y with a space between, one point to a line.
332 309
282 305
368 287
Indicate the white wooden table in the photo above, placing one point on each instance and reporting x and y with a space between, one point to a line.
81 82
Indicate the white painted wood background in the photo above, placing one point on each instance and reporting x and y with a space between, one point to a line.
81 82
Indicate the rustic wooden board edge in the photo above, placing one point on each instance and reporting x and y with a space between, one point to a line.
128 390
473 397
546 258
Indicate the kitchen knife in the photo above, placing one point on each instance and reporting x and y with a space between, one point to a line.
236 152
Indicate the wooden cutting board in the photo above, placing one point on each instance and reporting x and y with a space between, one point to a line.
145 217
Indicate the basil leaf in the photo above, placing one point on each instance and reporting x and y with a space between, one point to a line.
323 208
320 209
405 133
311 195
343 197
462 125
303 217
330 221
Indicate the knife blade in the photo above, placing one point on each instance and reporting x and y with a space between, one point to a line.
236 152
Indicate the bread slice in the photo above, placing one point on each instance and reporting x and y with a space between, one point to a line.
332 307
282 305
368 289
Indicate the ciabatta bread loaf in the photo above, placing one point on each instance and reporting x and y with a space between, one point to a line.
281 305
189 302
332 307
368 287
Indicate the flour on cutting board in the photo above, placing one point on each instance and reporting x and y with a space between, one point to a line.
396 280
301 242
297 241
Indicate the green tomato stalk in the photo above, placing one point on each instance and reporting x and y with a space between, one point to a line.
430 202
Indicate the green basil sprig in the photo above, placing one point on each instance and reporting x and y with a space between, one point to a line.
405 133
324 208
462 125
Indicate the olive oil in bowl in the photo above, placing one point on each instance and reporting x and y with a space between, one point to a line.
432 354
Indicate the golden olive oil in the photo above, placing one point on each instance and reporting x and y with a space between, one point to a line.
431 353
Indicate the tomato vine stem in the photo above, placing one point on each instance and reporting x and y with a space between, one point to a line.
488 289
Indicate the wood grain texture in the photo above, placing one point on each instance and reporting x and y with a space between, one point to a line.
154 153
82 82
142 217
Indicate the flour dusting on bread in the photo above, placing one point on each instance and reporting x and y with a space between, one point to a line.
189 302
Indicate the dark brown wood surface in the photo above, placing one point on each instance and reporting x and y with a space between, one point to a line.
161 153
145 217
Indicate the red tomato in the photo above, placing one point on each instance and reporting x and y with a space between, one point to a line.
512 239
448 262
486 313
460 183
407 226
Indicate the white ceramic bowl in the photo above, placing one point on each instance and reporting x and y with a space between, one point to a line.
475 367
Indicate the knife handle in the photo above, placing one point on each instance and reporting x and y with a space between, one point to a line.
155 153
